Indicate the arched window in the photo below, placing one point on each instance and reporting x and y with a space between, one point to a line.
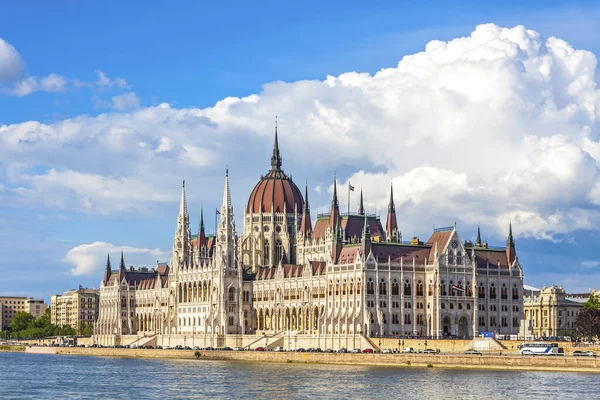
278 251
492 291
430 289
450 257
419 288
382 287
267 253
504 292
515 293
370 287
407 289
458 258
395 288
481 293
469 291
231 294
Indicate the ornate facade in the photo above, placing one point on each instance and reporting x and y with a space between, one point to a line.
345 275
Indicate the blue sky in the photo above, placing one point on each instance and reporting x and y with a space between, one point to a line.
113 65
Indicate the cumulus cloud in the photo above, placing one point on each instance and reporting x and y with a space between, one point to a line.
500 125
103 81
90 259
11 63
126 102
31 84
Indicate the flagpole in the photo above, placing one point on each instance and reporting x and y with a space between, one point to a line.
348 199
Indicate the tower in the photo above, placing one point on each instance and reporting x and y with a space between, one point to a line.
361 207
305 224
511 252
392 233
181 244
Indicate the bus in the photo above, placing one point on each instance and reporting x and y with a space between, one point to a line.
540 349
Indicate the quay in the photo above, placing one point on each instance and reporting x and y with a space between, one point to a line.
508 361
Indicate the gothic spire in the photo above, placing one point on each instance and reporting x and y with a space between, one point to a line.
276 157
226 192
361 207
478 241
122 263
306 225
335 208
108 271
201 226
183 203
510 241
391 227
366 235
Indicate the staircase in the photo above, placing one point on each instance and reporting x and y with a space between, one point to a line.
370 343
144 341
268 341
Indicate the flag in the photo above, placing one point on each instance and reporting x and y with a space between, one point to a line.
350 187
458 288
218 212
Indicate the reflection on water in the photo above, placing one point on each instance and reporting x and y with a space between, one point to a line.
37 376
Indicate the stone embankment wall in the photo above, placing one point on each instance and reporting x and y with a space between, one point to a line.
558 363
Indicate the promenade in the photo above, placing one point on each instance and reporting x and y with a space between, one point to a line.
462 361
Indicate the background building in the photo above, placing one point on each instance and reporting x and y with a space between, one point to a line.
550 311
77 308
10 306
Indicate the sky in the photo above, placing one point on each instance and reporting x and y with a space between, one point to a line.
477 114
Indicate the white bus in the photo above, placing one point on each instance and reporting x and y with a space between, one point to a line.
540 349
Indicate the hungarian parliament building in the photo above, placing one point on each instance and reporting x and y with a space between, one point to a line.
341 275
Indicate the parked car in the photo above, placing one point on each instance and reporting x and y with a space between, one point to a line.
187 348
238 348
279 349
429 351
329 351
354 351
367 351
300 350
342 350
408 350
386 351
179 347
196 348
259 349
318 350
209 348
473 352
584 353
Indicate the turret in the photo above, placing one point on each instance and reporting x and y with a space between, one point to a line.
181 246
478 242
511 252
306 225
361 207
334 217
122 270
391 228
366 237
107 272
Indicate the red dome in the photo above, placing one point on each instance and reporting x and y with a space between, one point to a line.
275 190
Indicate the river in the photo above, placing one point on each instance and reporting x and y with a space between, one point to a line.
39 376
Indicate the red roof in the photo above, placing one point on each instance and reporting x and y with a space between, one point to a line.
396 252
274 191
484 256
441 239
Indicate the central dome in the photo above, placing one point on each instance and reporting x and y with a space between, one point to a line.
275 191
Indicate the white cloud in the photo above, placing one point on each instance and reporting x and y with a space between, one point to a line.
50 83
11 64
126 102
500 125
102 81
590 264
90 259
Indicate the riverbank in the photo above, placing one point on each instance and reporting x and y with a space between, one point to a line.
12 348
452 361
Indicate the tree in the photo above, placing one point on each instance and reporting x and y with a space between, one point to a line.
21 321
593 303
588 323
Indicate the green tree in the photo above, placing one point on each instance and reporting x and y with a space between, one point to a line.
593 303
21 321
588 323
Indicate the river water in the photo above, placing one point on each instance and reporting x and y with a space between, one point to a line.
39 376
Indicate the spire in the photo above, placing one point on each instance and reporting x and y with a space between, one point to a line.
306 225
226 192
510 241
335 208
201 226
391 227
361 207
108 271
122 263
478 241
276 157
183 203
366 235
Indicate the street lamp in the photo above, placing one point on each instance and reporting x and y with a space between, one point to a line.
193 335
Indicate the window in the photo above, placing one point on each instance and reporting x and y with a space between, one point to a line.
450 257
407 290
481 292
419 288
481 321
515 293
266 253
407 319
492 292
504 292
231 321
231 294
504 322
370 287
278 251
395 288
382 287
458 258
515 322
443 290
395 319
420 319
